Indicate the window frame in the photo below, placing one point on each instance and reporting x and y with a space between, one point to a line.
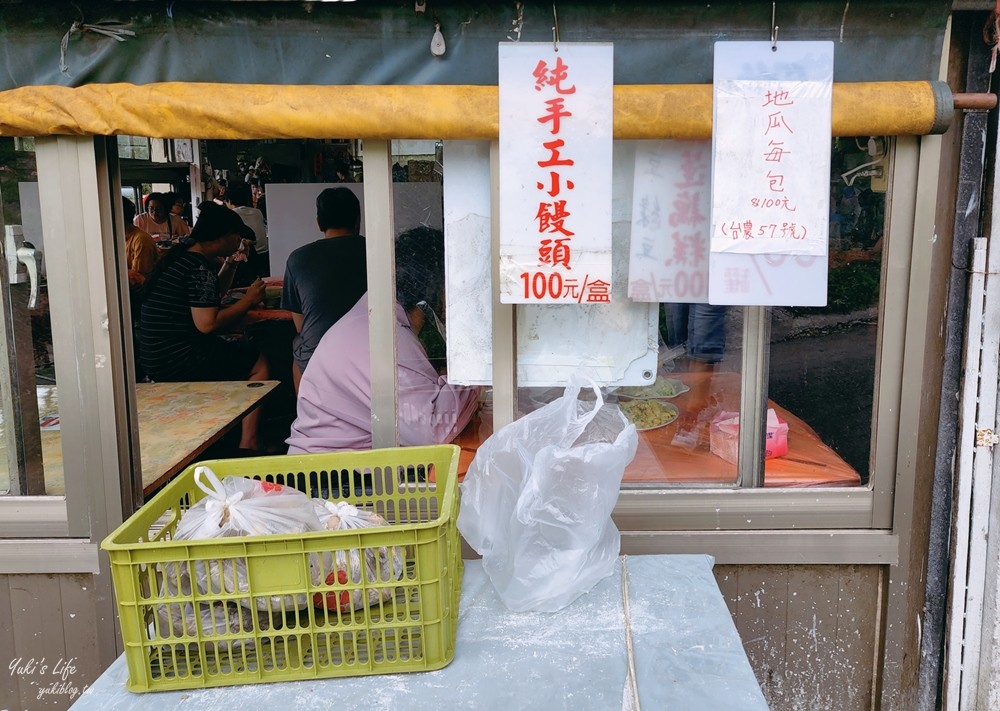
656 514
75 176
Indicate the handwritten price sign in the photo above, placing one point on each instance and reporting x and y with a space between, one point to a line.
555 177
771 173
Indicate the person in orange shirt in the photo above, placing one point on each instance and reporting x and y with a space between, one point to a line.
140 249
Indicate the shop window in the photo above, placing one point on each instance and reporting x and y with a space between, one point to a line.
820 383
30 447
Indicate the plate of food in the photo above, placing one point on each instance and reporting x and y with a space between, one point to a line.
660 388
649 414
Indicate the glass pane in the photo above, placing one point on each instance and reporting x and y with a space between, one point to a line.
30 448
418 200
698 384
161 208
823 359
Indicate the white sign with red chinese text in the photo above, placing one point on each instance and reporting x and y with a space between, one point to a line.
771 173
671 202
555 172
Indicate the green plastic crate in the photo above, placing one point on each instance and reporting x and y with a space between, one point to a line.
412 631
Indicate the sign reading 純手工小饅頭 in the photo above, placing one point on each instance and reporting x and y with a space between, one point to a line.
555 172
771 173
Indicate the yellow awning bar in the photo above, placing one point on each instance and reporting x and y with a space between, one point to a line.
248 111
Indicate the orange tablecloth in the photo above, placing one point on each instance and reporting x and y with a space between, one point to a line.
809 462
257 315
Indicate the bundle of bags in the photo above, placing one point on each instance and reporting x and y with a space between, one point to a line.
236 506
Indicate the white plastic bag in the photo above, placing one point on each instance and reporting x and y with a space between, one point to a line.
537 500
237 506
381 564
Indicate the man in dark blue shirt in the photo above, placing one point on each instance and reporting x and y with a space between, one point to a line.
324 279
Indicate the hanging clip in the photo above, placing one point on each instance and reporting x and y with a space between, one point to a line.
774 28
555 29
517 24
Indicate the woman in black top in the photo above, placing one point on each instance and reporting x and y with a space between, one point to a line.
181 311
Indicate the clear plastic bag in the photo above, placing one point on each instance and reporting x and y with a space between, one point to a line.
537 500
381 564
214 618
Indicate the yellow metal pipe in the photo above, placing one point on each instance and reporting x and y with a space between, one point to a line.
245 111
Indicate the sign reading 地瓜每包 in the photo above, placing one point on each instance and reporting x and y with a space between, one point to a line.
771 173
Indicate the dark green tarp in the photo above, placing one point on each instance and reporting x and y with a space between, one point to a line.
379 42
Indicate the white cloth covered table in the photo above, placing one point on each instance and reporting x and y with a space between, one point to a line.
685 651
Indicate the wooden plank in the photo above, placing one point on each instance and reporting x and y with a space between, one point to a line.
10 693
761 612
810 632
857 630
38 639
966 454
80 631
726 576
812 667
34 556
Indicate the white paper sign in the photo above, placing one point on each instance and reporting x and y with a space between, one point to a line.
771 173
670 222
555 172
615 343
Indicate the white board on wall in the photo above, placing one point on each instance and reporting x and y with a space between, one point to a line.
615 343
291 213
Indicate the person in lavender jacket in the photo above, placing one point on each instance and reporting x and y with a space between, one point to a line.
334 401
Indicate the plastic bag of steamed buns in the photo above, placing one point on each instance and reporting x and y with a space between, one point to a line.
364 567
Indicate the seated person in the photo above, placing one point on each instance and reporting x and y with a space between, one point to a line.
140 249
159 222
240 201
324 279
178 205
334 404
181 312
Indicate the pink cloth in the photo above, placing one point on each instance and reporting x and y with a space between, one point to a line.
334 403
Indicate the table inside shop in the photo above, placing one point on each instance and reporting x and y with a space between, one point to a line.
177 423
809 462
686 654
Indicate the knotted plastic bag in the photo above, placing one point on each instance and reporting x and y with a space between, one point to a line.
236 506
370 566
537 500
